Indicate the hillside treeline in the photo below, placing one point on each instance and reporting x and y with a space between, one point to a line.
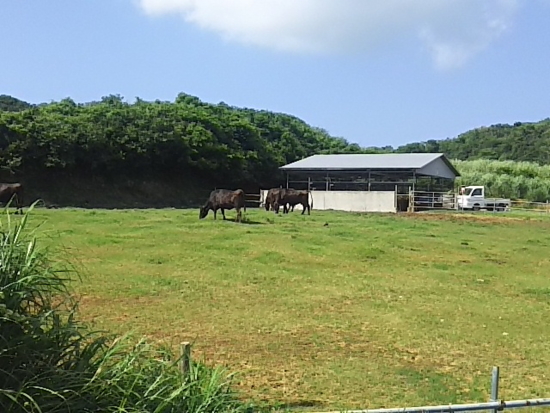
219 144
64 146
518 142
509 179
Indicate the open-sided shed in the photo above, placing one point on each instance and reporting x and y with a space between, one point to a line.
369 182
371 171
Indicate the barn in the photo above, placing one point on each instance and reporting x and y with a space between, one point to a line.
374 182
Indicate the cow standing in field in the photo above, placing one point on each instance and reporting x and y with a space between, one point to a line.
224 199
12 191
293 197
272 196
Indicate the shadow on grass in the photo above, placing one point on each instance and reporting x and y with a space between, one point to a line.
245 221
300 405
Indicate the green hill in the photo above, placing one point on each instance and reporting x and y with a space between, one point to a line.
88 151
518 142
11 104
114 153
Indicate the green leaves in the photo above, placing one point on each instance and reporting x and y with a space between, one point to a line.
220 143
509 179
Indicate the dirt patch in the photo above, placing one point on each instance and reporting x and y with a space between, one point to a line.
458 217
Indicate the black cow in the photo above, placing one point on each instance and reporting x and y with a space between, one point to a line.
12 191
293 197
224 199
273 195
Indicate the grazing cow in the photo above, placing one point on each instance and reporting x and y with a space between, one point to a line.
293 197
10 191
224 199
273 195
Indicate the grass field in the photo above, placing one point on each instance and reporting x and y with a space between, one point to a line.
367 311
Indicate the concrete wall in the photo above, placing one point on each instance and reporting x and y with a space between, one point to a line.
351 201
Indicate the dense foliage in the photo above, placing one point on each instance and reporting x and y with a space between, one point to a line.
219 145
515 180
51 362
11 104
518 142
214 143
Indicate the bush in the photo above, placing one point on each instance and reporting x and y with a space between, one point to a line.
509 179
50 362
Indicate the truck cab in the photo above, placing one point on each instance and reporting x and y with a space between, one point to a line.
473 197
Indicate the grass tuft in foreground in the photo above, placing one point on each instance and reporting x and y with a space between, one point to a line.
51 362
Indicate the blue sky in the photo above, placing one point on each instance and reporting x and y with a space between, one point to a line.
375 72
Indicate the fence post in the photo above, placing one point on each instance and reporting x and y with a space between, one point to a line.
185 359
494 386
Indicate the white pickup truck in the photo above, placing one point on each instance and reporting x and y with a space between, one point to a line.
473 197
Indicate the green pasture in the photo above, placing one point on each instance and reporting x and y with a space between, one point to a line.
327 311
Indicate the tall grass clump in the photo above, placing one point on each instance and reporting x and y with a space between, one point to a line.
510 179
51 362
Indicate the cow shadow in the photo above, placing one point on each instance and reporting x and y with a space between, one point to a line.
300 405
245 221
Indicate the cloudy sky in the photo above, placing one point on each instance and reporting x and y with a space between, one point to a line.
376 72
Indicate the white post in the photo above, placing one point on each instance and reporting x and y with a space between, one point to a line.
494 386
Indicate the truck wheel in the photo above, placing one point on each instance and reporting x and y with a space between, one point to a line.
476 207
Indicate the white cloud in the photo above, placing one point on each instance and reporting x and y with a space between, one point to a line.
453 30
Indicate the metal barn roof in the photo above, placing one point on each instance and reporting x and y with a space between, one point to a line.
365 162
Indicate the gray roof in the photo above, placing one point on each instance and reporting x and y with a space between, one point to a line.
357 162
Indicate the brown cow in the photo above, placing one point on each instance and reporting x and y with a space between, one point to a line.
293 197
224 199
10 191
272 195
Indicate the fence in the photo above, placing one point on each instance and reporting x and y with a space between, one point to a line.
253 200
428 201
541 207
494 405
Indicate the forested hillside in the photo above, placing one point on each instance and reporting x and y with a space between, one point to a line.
11 104
519 142
186 143
111 152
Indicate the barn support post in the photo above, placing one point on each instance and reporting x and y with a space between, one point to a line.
308 184
413 191
287 180
368 180
327 183
185 359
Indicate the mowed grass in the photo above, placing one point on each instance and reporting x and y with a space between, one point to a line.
332 310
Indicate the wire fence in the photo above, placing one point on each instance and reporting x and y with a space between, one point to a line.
527 206
429 201
417 201
494 405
